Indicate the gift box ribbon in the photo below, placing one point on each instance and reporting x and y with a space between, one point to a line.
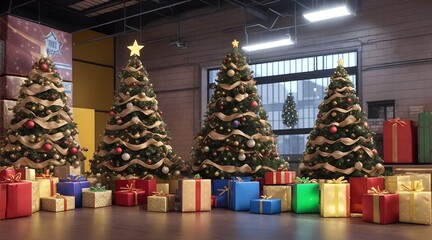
160 193
223 190
340 180
73 178
377 190
98 189
376 204
263 197
13 178
304 180
198 195
49 176
395 123
131 188
417 186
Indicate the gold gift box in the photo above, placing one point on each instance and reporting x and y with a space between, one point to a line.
58 204
415 207
96 199
424 177
393 184
160 203
281 192
163 187
35 196
335 200
190 195
47 186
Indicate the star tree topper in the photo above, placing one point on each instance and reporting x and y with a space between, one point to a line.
235 43
340 62
135 48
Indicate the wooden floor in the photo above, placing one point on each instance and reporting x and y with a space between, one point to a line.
124 223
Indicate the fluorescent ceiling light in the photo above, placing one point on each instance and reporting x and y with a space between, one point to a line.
267 45
327 13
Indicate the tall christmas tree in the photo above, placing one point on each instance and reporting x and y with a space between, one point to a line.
289 112
135 142
42 133
340 144
236 138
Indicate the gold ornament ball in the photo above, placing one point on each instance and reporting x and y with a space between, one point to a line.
62 161
380 168
334 103
235 110
333 114
251 143
67 132
142 95
236 143
216 174
230 73
119 121
241 157
358 166
176 173
206 149
41 107
51 167
76 163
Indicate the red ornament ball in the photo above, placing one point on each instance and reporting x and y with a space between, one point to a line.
73 150
149 162
29 124
349 100
47 147
375 151
254 104
43 67
111 113
118 151
333 129
214 154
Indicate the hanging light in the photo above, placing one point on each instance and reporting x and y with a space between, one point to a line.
267 45
328 13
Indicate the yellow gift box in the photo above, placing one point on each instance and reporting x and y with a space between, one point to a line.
35 196
163 187
58 203
47 186
161 202
281 192
425 177
414 204
173 185
92 199
393 184
335 198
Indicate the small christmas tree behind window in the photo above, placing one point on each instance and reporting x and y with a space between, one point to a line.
289 113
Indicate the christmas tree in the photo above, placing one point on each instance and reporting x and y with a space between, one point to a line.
236 138
42 133
135 142
340 144
289 114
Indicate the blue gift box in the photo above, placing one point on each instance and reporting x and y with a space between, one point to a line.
265 206
73 189
220 201
240 194
218 186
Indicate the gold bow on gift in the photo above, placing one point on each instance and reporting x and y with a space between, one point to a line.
397 121
47 174
130 188
223 190
304 180
265 197
377 190
13 178
417 186
340 180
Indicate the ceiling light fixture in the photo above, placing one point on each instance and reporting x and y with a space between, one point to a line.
267 45
328 13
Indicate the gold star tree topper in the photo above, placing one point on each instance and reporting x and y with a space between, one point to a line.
135 48
341 62
235 43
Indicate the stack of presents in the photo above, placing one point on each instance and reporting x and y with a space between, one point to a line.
406 198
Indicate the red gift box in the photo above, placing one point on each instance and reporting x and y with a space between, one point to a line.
3 190
381 208
359 187
279 177
122 183
37 40
147 185
400 141
18 199
5 173
130 197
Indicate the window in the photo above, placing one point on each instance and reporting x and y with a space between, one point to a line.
307 79
378 112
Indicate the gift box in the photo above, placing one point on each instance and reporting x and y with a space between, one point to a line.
424 177
240 193
129 196
415 204
220 186
305 198
194 195
219 201
58 203
400 141
47 184
393 184
162 187
380 207
122 183
335 198
10 87
73 189
37 40
265 206
425 137
62 172
360 186
160 202
147 185
16 197
35 196
6 172
97 197
279 177
26 173
280 192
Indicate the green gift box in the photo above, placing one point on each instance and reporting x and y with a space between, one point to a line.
305 198
425 137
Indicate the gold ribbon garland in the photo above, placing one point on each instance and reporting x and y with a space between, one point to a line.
135 108
35 89
34 73
133 121
347 121
46 103
331 168
234 85
238 97
24 161
337 154
245 168
239 68
346 141
217 136
353 108
138 162
128 98
231 117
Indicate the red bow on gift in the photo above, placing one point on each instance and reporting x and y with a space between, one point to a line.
12 178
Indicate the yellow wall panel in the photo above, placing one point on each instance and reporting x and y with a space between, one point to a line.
86 48
85 118
100 119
